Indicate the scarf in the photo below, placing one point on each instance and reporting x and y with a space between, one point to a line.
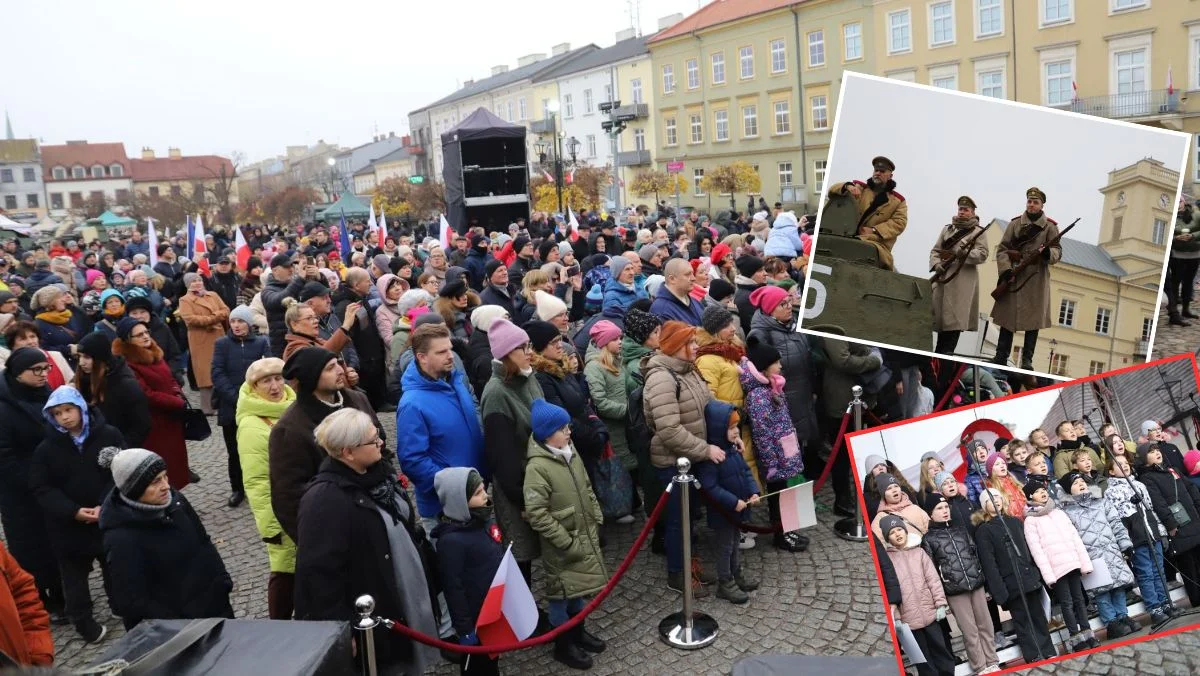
58 318
968 222
145 507
1033 218
115 315
378 483
556 368
564 453
729 351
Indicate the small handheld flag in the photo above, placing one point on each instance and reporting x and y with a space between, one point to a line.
152 241
242 249
200 248
343 240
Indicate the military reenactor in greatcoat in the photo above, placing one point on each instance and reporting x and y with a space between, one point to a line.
882 212
956 302
1026 305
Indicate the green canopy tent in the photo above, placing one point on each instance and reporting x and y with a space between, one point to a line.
352 205
110 220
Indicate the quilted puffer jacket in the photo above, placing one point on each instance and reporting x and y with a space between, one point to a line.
1138 517
673 399
1054 543
953 553
920 585
1103 534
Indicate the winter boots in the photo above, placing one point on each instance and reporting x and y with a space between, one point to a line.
572 647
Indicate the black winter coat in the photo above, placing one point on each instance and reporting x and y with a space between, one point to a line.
478 361
22 428
125 406
490 296
226 286
65 478
891 583
231 357
746 309
162 563
954 556
367 341
467 561
345 553
273 293
516 271
165 338
1165 489
1007 579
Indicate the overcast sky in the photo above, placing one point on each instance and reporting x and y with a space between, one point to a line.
946 144
219 76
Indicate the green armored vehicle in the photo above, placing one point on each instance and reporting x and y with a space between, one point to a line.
850 291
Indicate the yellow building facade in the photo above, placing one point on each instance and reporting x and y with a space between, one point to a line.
1108 58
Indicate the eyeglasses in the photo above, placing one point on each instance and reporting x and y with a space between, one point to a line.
372 442
40 370
528 348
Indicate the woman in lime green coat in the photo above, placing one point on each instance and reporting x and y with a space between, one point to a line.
261 401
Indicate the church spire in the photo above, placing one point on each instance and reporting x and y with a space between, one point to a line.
8 132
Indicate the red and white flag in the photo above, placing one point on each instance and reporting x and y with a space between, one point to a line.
1170 82
509 613
382 226
200 247
372 224
152 241
796 508
1074 90
241 249
574 223
547 175
444 233
570 177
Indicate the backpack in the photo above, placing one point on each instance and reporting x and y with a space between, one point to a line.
638 430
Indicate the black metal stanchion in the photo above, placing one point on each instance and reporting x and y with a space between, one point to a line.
364 629
852 527
688 629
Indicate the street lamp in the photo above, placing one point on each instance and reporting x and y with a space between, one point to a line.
332 177
1053 345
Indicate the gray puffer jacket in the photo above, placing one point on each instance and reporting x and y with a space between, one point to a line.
1103 534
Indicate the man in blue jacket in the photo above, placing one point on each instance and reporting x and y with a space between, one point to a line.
674 300
436 418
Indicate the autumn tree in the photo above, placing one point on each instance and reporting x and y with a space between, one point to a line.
286 206
95 205
654 182
730 179
592 182
426 199
392 197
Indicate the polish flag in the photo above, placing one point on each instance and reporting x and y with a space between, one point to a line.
509 613
547 175
1074 90
372 224
242 249
444 234
796 508
200 248
574 223
570 177
1170 82
152 241
382 227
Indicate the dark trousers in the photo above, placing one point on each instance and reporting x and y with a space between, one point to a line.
234 462
281 595
25 535
1181 274
1068 592
1188 565
946 342
726 545
1033 634
372 380
75 572
479 665
674 532
1004 347
939 661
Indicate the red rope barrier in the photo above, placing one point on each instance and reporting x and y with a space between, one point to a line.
837 445
570 624
962 368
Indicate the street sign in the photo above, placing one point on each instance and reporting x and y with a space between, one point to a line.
674 167
416 179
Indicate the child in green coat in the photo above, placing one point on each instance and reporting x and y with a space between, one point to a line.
563 511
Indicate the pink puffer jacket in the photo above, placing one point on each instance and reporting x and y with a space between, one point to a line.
1054 543
920 586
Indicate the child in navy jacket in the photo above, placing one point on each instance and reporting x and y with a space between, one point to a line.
733 487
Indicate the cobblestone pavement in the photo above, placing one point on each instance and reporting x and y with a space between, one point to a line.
1172 340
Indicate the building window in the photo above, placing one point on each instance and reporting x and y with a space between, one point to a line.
941 19
816 49
76 200
1131 71
608 92
589 102
639 139
718 68
948 82
116 170
56 200
31 200
154 191
176 191
819 167
669 128
508 108
78 172
29 175
97 171
1147 326
10 202
697 180
693 73
852 41
122 196
749 121
1095 367
778 56
1103 317
668 79
785 173
991 83
1055 11
568 106
820 112
746 62
591 145
697 129
991 18
1059 364
60 174
6 176
721 125
636 86
899 32
1127 4
1059 77
1159 234
198 191
783 118
522 109
545 109
1066 313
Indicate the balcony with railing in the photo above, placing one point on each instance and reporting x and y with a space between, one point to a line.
638 110
1143 346
1152 102
545 126
633 158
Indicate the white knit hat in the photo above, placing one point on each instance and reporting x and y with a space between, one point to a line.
548 305
484 315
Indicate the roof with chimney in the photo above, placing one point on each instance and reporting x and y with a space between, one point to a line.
18 150
720 12
181 168
621 51
541 69
84 154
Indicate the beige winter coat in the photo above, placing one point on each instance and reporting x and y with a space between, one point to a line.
956 305
205 318
888 221
1029 308
920 586
677 419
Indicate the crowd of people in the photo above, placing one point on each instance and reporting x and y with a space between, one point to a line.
1084 520
551 376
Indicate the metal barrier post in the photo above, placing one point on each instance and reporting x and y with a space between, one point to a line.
852 527
364 627
975 377
688 629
